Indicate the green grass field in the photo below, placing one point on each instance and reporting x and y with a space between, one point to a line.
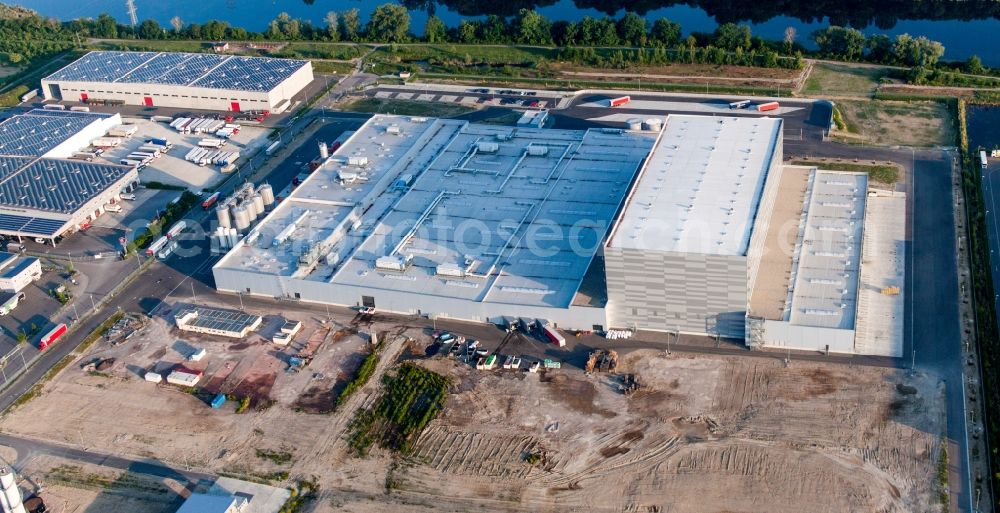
843 80
882 174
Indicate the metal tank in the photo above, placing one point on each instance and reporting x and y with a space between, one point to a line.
10 498
258 204
267 193
241 217
222 214
653 124
634 124
233 237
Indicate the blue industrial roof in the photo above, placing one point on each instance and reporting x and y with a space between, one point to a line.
55 185
189 69
36 132
6 258
18 268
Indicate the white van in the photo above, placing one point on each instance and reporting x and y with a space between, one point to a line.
127 196
116 208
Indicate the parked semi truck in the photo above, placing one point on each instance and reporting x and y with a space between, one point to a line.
51 337
11 303
621 100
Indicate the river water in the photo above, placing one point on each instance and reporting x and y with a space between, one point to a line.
965 28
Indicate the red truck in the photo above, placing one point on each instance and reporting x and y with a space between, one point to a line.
51 337
621 100
207 204
764 107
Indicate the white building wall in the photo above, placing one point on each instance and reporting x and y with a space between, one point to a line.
784 335
668 291
291 86
22 279
162 95
246 282
83 138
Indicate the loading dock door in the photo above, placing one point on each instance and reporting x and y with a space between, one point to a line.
368 301
234 106
147 100
54 92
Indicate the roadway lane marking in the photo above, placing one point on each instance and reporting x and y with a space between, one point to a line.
714 108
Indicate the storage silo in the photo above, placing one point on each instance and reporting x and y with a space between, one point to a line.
324 150
634 124
241 217
222 214
258 204
10 494
654 124
267 193
233 237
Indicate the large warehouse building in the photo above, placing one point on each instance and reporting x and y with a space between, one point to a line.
185 80
666 229
42 193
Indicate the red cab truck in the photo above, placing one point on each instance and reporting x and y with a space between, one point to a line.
51 337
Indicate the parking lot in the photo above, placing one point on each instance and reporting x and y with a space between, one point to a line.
170 167
470 96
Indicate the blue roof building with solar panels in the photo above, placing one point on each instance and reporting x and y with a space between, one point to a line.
45 195
184 80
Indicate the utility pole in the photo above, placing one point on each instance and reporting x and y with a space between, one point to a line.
194 298
132 16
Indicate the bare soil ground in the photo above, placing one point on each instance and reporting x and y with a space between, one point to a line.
704 434
907 123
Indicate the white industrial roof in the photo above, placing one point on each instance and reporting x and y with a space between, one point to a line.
701 186
481 212
828 256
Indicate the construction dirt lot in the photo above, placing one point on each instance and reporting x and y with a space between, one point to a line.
702 434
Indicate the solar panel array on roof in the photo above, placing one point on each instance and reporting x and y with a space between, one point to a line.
188 69
35 133
25 225
224 320
56 185
173 68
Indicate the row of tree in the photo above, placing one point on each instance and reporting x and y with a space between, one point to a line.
851 45
23 39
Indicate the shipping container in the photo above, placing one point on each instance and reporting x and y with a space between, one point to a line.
51 337
554 336
982 159
158 141
219 400
54 106
211 143
764 107
207 204
621 100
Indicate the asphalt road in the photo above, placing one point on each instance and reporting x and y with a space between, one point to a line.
28 448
